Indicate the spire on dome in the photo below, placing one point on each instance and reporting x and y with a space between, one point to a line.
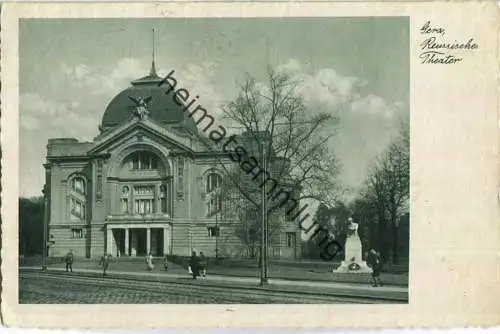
152 77
152 72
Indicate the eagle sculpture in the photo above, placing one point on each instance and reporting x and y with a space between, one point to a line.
141 106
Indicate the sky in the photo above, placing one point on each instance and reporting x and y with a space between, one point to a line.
355 68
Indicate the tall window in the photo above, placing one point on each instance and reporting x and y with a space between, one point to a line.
78 198
124 200
144 199
143 160
290 239
164 199
213 188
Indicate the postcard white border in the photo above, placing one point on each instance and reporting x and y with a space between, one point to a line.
455 232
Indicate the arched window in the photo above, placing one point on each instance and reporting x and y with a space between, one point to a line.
142 160
214 181
78 198
213 190
78 185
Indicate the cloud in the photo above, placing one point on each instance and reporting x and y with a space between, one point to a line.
367 121
199 80
108 82
29 122
33 104
374 105
77 95
327 90
56 118
74 101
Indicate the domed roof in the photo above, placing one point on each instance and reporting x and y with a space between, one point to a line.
162 108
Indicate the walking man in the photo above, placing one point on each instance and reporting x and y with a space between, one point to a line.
69 260
203 265
194 265
105 263
375 262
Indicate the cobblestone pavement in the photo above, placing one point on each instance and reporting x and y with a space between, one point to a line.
47 288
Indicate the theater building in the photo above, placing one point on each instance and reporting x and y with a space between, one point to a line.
141 185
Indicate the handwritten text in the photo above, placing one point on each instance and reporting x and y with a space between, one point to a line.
435 50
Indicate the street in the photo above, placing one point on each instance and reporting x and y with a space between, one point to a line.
61 288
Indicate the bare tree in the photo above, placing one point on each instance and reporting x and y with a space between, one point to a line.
387 189
284 147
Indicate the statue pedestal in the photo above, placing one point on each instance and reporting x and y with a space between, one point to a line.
353 260
348 267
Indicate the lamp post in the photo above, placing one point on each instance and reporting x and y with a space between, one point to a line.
263 236
217 231
45 244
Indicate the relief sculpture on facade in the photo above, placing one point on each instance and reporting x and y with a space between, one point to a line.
98 193
180 178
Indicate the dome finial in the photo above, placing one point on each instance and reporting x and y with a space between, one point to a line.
152 78
152 72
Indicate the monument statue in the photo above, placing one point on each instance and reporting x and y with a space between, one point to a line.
141 105
353 227
353 260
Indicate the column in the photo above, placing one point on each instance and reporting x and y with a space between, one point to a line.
166 241
126 242
157 208
109 243
148 240
133 234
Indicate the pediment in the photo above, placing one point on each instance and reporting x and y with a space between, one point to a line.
137 131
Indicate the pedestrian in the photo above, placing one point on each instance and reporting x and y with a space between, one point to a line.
69 258
375 262
203 265
149 262
105 263
194 265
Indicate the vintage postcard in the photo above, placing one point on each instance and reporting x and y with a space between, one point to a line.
208 165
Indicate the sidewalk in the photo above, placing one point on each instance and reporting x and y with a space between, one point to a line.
328 288
275 272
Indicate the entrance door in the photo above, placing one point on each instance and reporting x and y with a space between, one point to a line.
119 237
159 241
141 242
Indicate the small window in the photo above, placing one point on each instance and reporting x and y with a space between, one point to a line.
144 206
77 233
290 239
213 231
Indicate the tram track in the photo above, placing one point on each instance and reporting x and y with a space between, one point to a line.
207 290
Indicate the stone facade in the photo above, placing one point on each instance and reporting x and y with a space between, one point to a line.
140 187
